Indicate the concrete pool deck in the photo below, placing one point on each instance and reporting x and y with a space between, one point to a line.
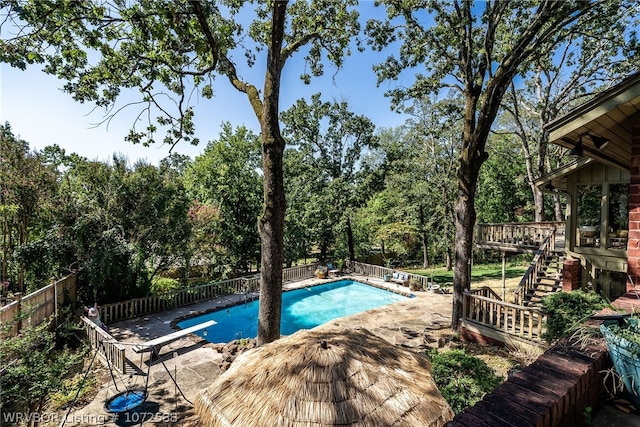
195 363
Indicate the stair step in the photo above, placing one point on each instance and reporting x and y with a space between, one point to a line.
549 289
549 279
549 276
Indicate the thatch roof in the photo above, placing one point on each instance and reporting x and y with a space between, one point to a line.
316 378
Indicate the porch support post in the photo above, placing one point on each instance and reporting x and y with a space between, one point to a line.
633 242
504 280
570 274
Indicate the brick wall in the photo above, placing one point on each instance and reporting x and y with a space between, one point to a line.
570 275
633 244
553 391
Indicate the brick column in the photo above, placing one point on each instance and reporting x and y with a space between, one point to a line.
570 275
633 244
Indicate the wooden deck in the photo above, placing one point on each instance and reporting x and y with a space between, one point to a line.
521 237
487 315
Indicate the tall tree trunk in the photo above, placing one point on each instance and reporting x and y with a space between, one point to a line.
271 223
425 250
471 159
538 201
557 208
425 243
465 221
350 245
5 247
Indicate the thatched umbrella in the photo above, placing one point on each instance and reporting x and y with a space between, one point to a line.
320 378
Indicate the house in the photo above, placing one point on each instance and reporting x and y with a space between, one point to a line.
602 228
598 244
601 249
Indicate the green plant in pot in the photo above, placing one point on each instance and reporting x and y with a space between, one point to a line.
623 223
623 343
321 272
387 275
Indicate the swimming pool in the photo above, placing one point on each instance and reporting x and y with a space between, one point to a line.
301 309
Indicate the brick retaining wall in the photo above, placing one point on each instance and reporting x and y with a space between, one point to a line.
555 390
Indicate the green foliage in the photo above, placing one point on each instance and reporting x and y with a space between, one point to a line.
26 188
162 285
68 390
567 310
227 184
462 378
503 193
322 168
32 368
629 331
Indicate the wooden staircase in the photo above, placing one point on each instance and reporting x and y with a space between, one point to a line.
543 276
548 279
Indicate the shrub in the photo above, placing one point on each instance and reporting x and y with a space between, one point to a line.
462 378
567 310
162 285
33 368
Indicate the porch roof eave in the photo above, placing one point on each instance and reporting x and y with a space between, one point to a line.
558 178
606 115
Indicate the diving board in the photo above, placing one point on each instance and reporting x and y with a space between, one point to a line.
156 344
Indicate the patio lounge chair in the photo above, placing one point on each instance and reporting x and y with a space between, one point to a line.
332 271
401 278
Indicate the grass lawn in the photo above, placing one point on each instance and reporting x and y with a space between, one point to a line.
481 275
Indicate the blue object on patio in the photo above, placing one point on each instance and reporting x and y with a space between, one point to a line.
125 401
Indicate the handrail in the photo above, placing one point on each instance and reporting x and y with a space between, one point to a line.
109 349
527 323
485 291
528 281
523 234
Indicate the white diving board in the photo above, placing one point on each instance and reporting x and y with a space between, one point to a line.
158 343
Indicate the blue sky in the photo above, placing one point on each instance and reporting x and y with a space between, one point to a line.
40 113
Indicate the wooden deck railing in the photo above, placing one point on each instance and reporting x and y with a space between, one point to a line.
486 292
525 234
118 311
300 272
111 352
536 268
379 272
527 323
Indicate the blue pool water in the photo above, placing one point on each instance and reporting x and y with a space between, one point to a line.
301 309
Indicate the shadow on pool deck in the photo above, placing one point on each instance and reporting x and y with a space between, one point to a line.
195 363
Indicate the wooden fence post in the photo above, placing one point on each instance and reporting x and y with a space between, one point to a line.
18 298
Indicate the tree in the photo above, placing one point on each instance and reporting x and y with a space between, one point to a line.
25 184
177 48
227 177
119 224
502 187
476 52
331 140
570 73
428 177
